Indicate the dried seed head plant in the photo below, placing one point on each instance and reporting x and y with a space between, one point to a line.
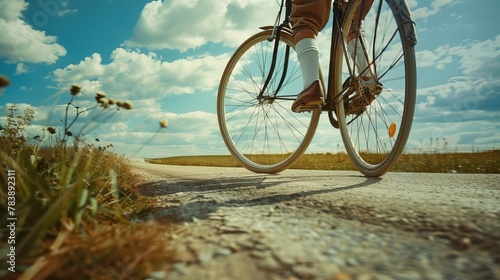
4 81
75 89
68 195
163 123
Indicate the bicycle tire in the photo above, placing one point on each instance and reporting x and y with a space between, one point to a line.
264 135
375 133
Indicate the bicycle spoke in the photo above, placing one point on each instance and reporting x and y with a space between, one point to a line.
375 119
258 126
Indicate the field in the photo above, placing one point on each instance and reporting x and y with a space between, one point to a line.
483 162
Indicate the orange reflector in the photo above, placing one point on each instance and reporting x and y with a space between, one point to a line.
392 130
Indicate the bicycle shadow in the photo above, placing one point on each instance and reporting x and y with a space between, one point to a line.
202 205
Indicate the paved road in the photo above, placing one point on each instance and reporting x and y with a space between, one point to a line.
328 224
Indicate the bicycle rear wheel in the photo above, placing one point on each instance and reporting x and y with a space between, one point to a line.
375 115
262 132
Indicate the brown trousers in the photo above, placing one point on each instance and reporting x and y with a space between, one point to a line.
313 14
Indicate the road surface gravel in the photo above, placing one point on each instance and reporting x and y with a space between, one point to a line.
303 224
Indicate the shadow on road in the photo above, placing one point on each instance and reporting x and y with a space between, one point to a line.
252 190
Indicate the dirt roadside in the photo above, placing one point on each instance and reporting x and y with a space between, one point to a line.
235 224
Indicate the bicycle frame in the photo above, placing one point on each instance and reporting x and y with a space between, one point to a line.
261 81
337 12
276 36
286 24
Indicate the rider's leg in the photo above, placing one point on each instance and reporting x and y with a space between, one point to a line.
355 43
308 55
359 55
309 17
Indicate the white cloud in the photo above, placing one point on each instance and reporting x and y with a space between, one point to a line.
137 132
88 68
20 42
459 93
424 13
477 58
132 74
183 25
463 109
11 10
63 13
411 3
145 79
21 68
64 10
480 57
427 58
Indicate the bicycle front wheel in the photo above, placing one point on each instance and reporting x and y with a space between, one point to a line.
259 129
376 75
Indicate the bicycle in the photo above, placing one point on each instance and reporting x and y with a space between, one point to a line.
262 78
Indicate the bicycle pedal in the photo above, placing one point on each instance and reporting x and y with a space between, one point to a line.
307 108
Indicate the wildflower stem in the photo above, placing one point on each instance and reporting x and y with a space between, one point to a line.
66 119
78 113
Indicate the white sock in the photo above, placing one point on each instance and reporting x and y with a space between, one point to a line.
357 54
308 56
361 60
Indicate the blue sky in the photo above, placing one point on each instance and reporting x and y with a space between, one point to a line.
166 57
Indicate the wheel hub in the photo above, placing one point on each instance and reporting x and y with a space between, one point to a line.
266 100
361 97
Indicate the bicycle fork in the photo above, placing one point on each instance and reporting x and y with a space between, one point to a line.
276 35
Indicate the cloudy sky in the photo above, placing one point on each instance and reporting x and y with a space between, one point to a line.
166 57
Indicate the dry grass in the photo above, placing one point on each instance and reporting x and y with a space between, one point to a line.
484 162
106 252
78 210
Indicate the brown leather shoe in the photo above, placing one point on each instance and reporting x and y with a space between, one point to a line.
309 98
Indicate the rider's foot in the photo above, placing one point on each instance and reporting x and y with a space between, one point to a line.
310 98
